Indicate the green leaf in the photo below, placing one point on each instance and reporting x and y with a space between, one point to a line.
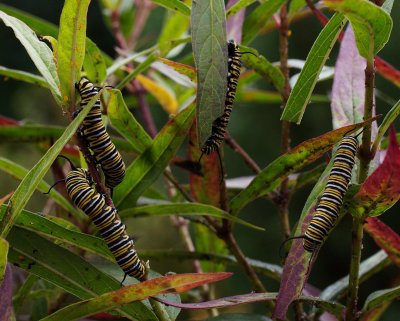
94 64
39 52
238 6
183 209
23 76
35 175
302 90
126 124
70 272
257 19
211 58
71 46
168 284
298 157
263 67
174 5
3 258
296 5
389 118
20 172
45 226
368 268
152 162
379 297
371 24
174 27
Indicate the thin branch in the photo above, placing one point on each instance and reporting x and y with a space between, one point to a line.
242 153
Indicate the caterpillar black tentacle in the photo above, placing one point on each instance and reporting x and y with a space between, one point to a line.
95 135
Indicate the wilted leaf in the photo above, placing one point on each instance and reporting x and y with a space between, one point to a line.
186 70
211 58
381 190
332 307
298 157
301 92
168 284
163 96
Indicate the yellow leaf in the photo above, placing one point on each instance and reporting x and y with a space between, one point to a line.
163 96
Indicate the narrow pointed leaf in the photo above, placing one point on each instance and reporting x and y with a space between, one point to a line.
381 190
258 18
210 56
45 226
391 115
379 297
71 46
20 172
385 237
36 174
168 284
94 64
239 5
368 268
123 120
68 271
174 5
182 209
301 92
332 307
298 157
6 302
263 67
23 76
165 98
371 24
39 52
152 162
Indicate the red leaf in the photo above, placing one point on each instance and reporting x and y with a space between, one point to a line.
385 237
381 190
4 121
387 71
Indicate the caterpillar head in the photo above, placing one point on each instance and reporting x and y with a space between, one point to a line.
232 47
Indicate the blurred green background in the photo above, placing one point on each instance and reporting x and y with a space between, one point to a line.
256 127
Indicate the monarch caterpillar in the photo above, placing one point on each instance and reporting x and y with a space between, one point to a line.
78 183
97 138
328 207
219 125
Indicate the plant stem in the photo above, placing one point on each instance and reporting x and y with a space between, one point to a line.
285 140
352 299
159 310
365 151
365 159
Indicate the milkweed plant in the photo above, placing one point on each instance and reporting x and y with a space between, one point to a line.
166 88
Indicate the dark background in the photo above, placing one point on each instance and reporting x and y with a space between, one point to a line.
256 127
